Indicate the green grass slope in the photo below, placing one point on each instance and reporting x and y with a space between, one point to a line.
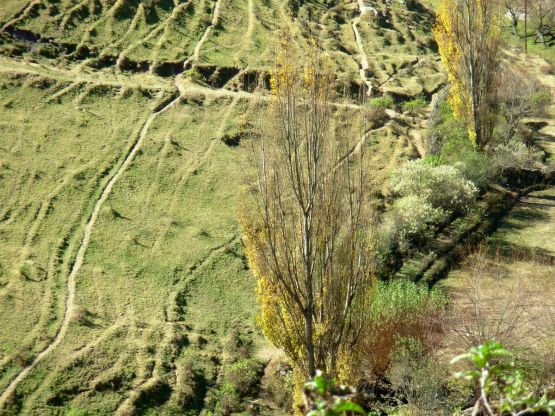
122 276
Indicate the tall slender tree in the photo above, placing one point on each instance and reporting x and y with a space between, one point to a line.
468 36
305 232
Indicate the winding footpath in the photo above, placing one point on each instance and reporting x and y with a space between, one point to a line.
361 52
196 52
82 251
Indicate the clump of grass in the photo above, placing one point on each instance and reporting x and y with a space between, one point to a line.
381 102
415 105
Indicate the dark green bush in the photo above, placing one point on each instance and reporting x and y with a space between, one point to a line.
381 102
415 105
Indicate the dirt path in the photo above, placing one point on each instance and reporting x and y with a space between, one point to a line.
21 15
82 251
363 63
196 53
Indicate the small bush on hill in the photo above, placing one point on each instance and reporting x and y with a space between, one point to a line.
411 220
516 155
244 375
442 186
194 74
381 102
415 105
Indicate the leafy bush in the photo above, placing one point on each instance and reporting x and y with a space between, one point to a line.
446 132
516 155
381 102
411 220
400 309
415 105
475 166
441 186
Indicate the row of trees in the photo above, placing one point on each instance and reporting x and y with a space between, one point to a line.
540 13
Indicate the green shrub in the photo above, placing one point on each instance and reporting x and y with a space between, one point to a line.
404 298
516 155
411 220
476 166
442 186
400 310
415 105
447 131
381 102
228 399
194 75
434 160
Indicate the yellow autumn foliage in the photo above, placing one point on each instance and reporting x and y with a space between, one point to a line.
459 36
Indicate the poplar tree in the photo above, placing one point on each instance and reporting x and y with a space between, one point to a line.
306 229
468 36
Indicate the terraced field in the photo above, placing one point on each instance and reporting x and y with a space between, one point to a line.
122 277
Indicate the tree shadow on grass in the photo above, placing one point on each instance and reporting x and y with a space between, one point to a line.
525 215
510 252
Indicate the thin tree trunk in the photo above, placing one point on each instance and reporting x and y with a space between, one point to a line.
526 26
515 26
474 106
309 342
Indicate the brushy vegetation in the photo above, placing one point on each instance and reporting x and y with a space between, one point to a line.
400 311
442 186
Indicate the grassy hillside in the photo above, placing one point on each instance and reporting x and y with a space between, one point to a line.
122 279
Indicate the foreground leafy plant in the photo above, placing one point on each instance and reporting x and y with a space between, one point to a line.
322 398
497 377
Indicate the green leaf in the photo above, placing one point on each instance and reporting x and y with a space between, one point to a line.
348 407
